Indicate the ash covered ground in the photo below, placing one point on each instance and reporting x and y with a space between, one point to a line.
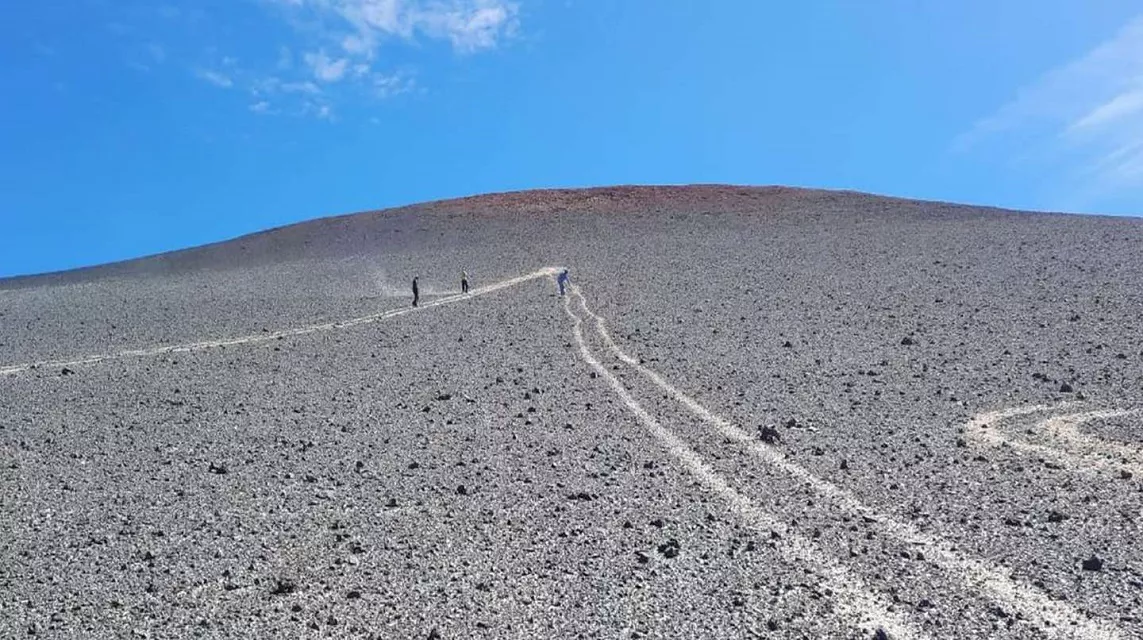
800 414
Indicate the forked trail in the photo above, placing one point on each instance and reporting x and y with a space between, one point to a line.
854 597
276 335
1056 619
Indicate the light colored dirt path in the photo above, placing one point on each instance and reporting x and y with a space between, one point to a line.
1068 445
853 597
1057 619
276 335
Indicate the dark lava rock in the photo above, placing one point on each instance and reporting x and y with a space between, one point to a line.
772 625
353 595
642 557
218 468
908 342
787 345
658 522
582 496
283 586
844 465
1093 564
434 634
1066 388
392 503
1124 474
1056 516
461 490
670 548
66 372
444 396
880 635
769 434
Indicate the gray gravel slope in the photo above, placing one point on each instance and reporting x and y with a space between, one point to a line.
462 469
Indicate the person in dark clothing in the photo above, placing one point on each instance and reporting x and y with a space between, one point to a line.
562 280
464 282
416 292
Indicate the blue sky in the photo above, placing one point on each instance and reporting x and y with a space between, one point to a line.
131 127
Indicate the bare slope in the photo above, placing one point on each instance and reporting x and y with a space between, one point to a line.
953 394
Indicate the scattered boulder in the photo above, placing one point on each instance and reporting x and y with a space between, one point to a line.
461 490
218 468
283 586
1056 516
670 548
769 434
1066 388
66 372
908 342
581 496
1124 474
434 634
880 634
1093 563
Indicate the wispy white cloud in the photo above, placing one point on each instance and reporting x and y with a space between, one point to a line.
1085 118
387 86
215 78
325 68
361 26
338 60
300 87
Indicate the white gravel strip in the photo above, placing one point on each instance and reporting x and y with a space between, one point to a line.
1058 619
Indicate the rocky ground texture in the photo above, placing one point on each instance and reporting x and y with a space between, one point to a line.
822 414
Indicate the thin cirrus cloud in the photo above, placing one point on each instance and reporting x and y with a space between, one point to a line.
338 60
1084 118
215 78
325 68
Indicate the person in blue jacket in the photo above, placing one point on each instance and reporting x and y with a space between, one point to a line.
562 280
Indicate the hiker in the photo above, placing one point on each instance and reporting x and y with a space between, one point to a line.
562 280
416 292
464 282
